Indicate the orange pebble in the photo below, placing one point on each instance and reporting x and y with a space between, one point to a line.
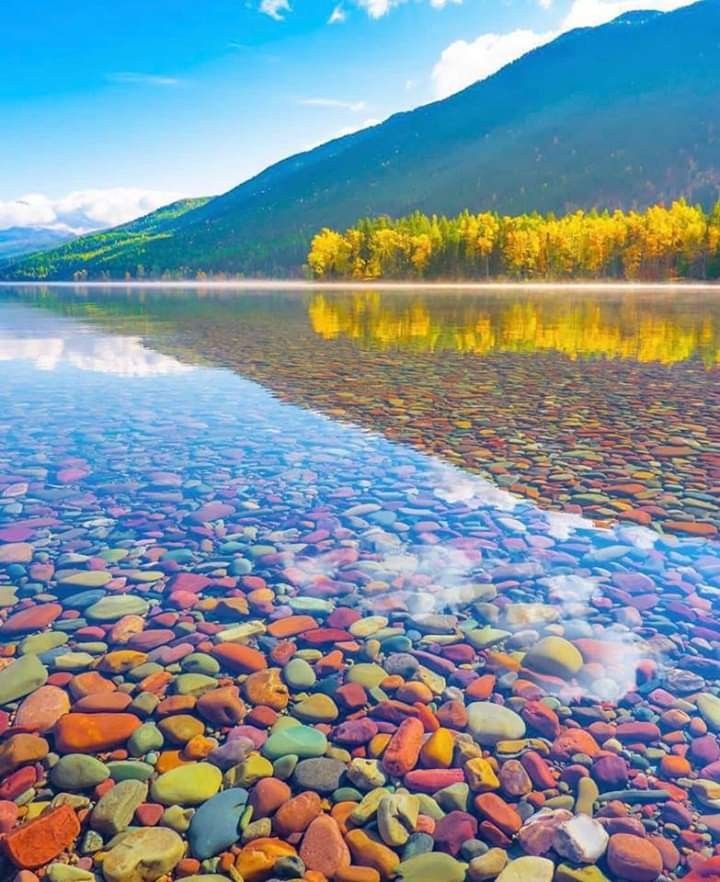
675 766
169 759
391 683
482 688
198 747
357 874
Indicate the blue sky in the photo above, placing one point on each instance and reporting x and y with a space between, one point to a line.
110 108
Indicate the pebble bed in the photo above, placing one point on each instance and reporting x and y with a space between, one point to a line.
241 641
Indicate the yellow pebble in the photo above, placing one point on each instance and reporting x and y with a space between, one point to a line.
437 752
480 775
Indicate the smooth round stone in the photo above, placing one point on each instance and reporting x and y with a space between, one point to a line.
77 771
191 784
200 663
432 867
84 599
302 741
21 678
115 607
41 709
317 709
143 855
366 674
214 826
298 674
194 684
554 656
490 723
322 774
144 739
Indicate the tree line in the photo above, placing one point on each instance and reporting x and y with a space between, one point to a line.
681 241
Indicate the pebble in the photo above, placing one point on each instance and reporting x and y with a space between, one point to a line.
189 784
145 854
235 646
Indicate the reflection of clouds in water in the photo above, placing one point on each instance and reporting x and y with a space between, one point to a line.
49 342
122 356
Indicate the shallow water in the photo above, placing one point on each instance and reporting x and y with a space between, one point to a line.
269 543
116 432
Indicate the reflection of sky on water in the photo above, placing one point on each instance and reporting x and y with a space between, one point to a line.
47 342
438 538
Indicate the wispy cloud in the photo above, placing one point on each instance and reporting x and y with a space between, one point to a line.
380 8
276 9
353 106
338 15
143 79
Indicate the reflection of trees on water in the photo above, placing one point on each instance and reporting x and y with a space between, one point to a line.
635 329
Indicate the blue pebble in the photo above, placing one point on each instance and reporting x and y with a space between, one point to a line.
214 826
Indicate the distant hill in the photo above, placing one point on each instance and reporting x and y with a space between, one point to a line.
92 254
16 241
622 115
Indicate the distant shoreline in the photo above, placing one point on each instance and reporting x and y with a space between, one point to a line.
301 285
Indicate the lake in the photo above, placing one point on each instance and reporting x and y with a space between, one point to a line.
368 507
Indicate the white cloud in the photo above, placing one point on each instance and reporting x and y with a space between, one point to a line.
354 106
338 15
589 13
465 62
142 79
380 8
275 8
82 210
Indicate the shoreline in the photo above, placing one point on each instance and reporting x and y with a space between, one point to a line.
302 285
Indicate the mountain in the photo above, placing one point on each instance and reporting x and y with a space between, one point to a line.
622 115
17 241
92 254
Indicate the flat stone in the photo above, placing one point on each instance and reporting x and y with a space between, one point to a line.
21 677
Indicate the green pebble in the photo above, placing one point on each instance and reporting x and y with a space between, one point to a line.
300 741
298 674
125 770
115 607
86 579
346 794
200 663
76 771
432 867
194 684
284 767
36 644
366 674
21 678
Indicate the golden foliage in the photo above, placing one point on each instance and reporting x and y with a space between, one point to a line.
661 243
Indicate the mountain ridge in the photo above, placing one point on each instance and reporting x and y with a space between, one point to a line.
618 116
